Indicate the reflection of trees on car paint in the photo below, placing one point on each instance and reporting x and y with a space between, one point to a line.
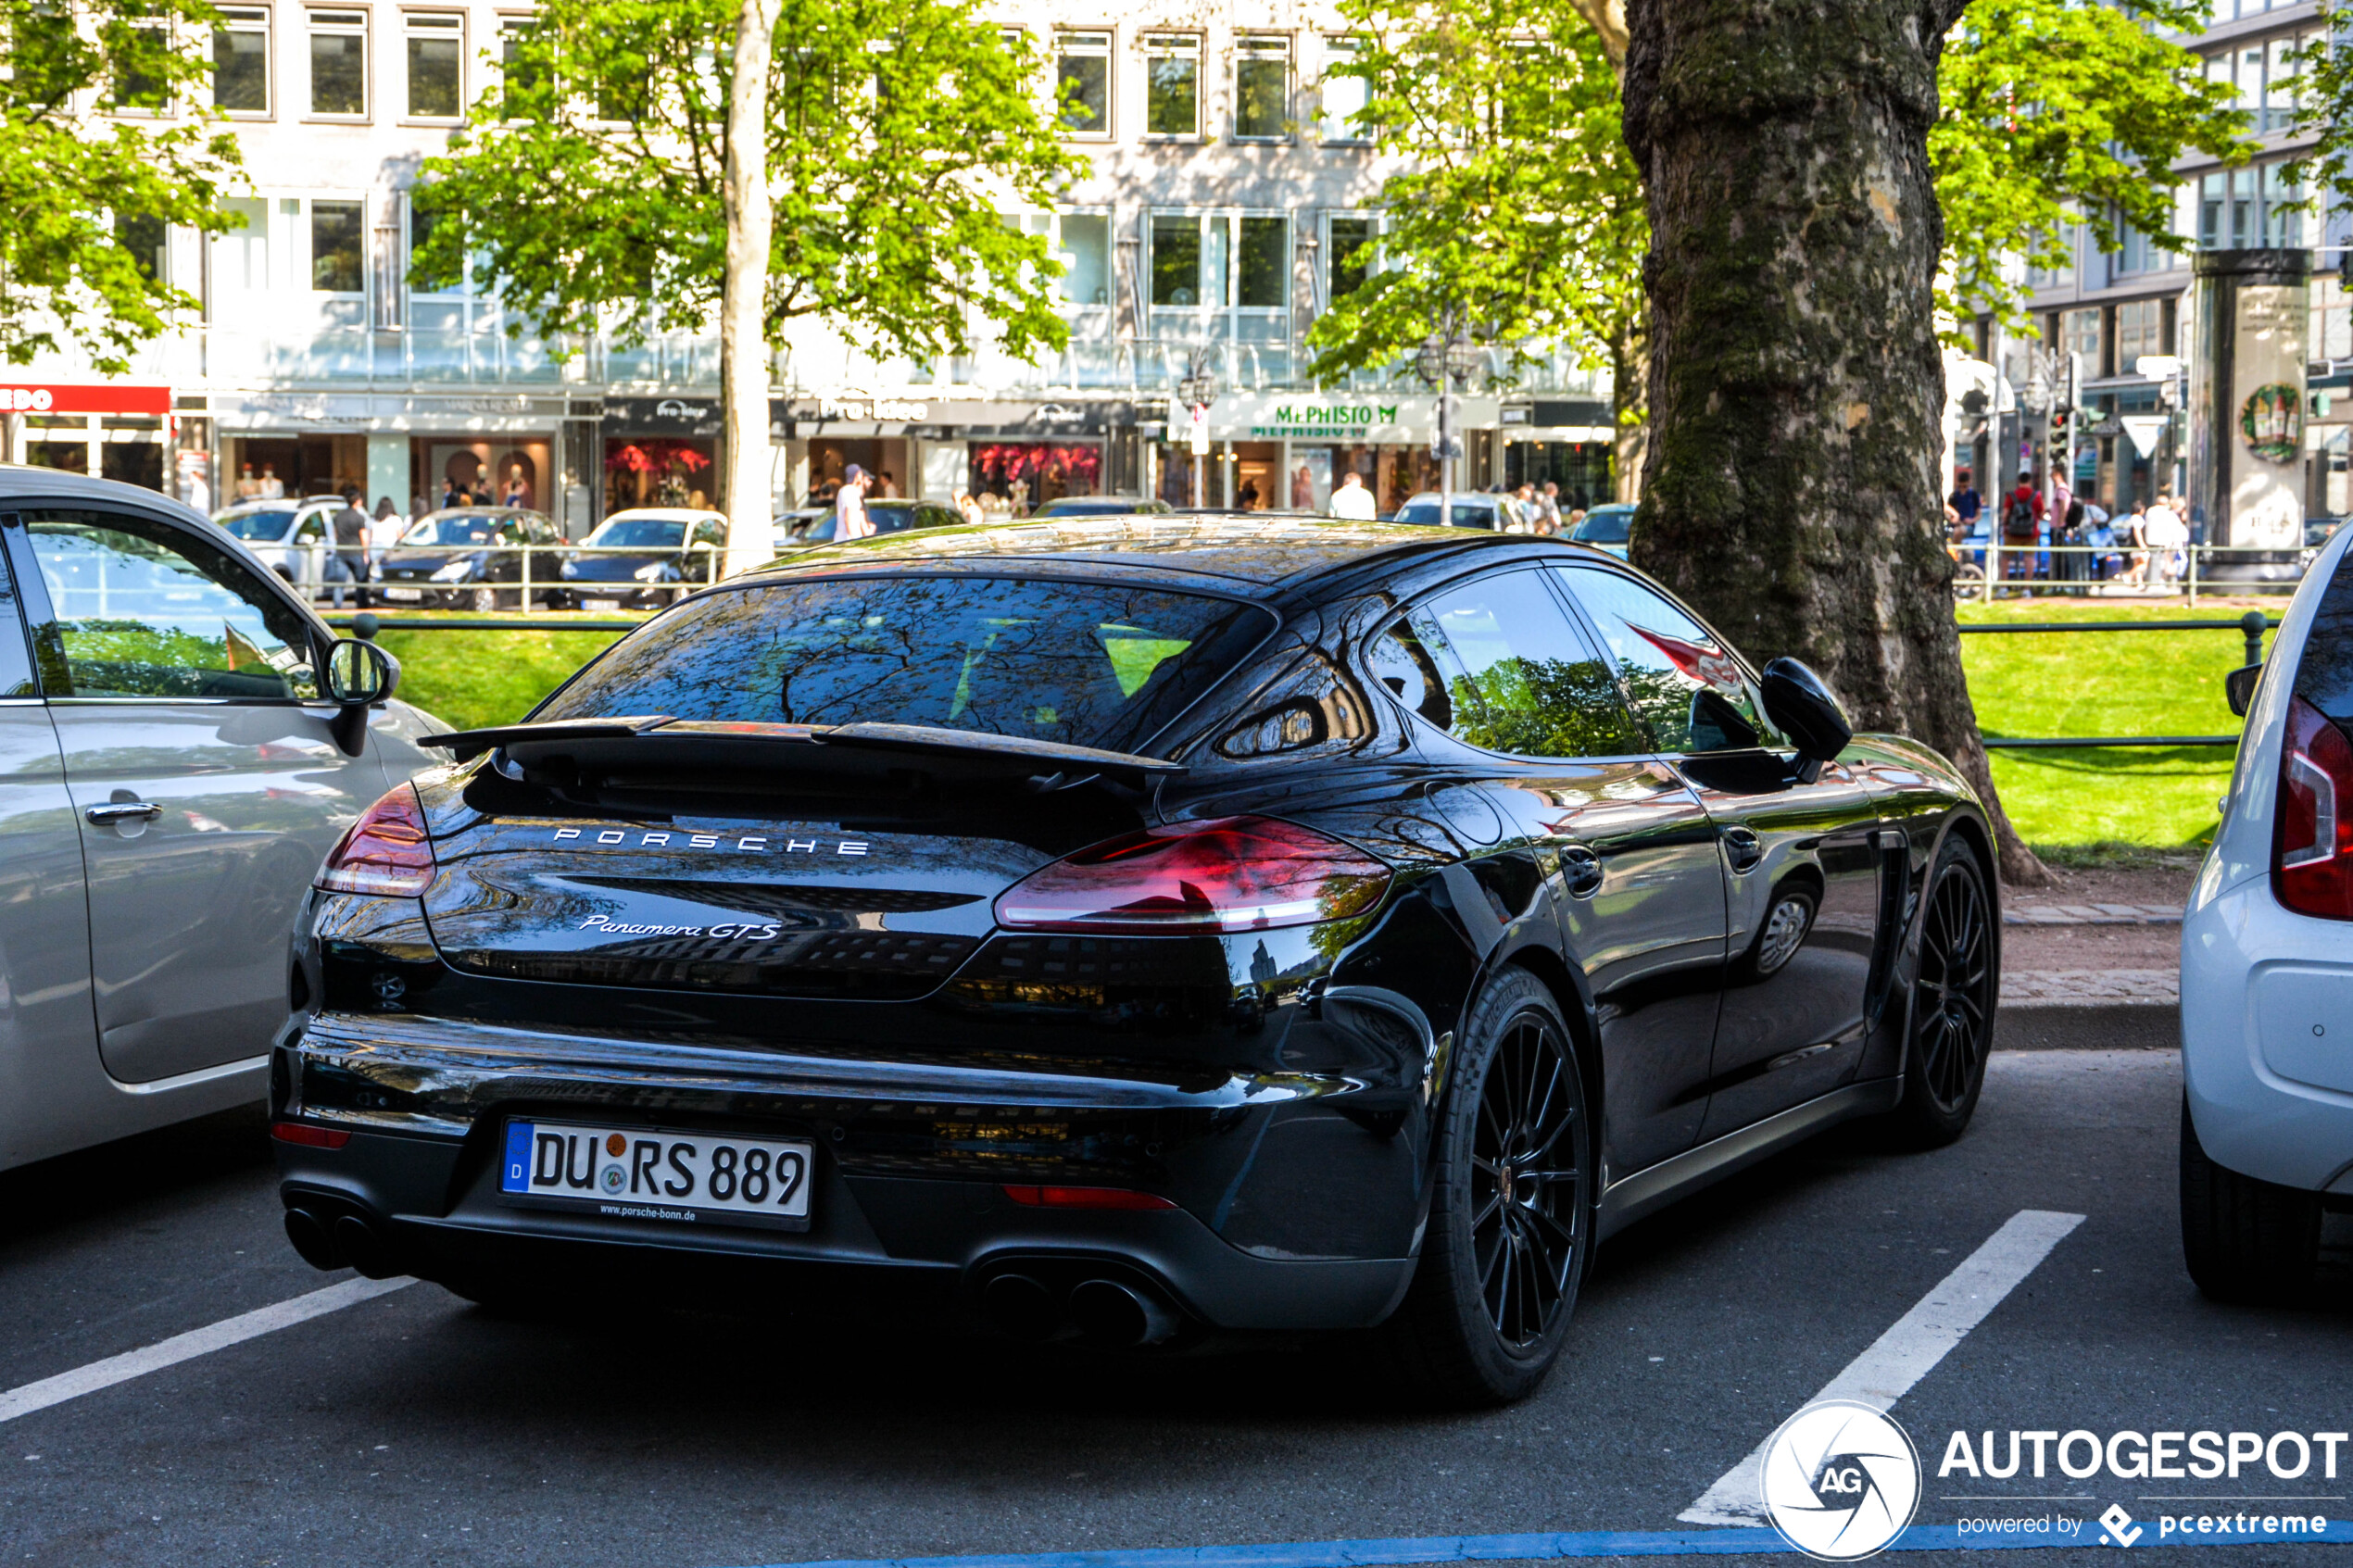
1543 708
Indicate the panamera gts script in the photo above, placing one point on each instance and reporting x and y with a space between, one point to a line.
751 931
756 844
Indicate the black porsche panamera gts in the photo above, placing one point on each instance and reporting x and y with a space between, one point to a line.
1131 927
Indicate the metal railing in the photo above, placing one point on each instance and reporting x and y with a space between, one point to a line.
2252 625
535 575
1994 569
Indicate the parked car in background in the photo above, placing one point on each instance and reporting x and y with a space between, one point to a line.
1471 509
189 746
463 557
888 517
2267 966
1606 528
671 550
1100 506
283 536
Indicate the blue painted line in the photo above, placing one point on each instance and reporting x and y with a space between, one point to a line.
1552 1548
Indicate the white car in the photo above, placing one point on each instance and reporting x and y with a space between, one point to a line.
288 535
2266 967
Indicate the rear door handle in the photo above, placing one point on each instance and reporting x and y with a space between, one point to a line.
1583 869
123 811
1744 849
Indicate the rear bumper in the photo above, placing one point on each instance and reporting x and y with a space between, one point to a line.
926 1241
2267 1038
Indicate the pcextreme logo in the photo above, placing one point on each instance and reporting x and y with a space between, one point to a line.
1841 1481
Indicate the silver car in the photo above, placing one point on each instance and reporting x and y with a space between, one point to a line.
174 765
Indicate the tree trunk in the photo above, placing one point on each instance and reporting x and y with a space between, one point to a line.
1795 384
1629 364
743 316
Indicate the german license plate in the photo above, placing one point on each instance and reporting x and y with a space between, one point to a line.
637 1173
404 593
600 604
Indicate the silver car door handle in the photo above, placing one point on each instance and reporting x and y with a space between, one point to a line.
123 811
1745 848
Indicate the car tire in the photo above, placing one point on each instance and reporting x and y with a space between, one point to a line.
2251 1242
1489 1307
483 601
1955 985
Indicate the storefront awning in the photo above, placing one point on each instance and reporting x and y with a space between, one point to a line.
105 397
1343 419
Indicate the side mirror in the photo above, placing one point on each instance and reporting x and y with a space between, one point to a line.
360 675
2239 686
1804 710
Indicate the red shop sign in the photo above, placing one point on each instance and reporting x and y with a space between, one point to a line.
109 398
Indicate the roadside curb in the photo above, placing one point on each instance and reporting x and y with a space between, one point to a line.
2094 1026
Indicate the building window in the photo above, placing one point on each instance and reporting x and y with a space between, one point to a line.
514 75
1261 89
1082 82
241 61
1348 257
137 89
2244 208
1178 277
420 227
1171 84
1341 110
436 64
338 246
1083 247
1261 269
339 63
1214 260
2080 333
2139 328
143 235
2138 253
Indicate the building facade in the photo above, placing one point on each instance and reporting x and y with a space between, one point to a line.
1226 201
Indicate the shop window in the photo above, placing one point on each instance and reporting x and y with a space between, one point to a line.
241 61
1343 97
1171 84
1261 89
338 249
436 64
1263 270
1082 82
1084 249
1348 255
143 235
339 63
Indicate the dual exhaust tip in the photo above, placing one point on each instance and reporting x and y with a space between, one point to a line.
331 1240
1113 1313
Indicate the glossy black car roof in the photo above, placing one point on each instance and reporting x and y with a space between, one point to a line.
1244 553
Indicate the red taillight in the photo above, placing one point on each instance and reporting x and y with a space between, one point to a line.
1085 1197
2313 835
386 851
1233 873
309 1137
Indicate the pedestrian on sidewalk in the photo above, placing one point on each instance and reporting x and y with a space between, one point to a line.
2167 536
348 562
2135 540
2021 529
850 520
1548 504
1351 500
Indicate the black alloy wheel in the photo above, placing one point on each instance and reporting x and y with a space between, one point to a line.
1510 1230
1953 1000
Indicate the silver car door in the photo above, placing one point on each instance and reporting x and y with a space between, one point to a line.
206 780
46 1030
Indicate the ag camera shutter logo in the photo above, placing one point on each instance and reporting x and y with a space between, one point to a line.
1841 1481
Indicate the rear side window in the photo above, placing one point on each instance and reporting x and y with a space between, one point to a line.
1498 663
1087 664
1687 689
2324 675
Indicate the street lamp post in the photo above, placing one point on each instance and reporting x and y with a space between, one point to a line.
1445 361
1196 391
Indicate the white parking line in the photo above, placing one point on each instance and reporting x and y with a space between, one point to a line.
1907 1351
56 1390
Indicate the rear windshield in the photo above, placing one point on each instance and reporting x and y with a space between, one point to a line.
641 532
2324 675
1087 663
1608 527
1467 514
459 530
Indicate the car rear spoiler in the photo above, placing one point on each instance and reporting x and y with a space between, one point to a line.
659 743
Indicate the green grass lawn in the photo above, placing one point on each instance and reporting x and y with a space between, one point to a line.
2106 683
2069 684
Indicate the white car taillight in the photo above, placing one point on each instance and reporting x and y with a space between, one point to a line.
2313 837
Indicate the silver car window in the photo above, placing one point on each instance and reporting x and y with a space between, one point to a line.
141 610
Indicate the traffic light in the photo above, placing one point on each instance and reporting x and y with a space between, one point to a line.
2060 417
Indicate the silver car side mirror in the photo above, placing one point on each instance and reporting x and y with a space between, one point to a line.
360 674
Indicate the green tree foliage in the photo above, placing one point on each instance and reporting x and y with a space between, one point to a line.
1523 208
2324 108
1520 208
88 190
2056 115
587 193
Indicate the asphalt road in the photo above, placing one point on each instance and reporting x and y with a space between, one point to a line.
415 1429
